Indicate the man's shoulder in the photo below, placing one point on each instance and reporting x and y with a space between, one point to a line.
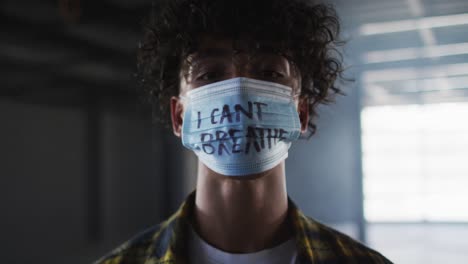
327 243
136 250
157 244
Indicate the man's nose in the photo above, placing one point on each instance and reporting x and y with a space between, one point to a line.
241 65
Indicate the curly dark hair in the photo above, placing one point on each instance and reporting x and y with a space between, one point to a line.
306 31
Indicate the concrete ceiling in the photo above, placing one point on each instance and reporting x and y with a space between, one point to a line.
59 52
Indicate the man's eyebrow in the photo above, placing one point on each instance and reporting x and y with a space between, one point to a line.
210 53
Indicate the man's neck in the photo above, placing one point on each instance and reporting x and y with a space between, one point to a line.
242 215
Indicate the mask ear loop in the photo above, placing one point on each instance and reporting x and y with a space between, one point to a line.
183 98
296 94
308 133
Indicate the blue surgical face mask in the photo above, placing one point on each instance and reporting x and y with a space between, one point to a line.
240 126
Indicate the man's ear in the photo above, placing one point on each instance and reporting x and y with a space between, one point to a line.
303 110
177 111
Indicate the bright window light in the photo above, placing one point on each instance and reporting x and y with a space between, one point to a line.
381 56
411 73
415 163
413 24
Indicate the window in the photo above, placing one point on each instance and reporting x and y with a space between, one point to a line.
415 162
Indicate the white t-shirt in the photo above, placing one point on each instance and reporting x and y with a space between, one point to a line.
203 253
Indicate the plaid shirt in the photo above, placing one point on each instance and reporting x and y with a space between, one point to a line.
315 242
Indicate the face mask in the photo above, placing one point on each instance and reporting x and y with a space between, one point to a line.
240 126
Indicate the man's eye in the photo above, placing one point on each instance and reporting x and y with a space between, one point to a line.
208 76
272 74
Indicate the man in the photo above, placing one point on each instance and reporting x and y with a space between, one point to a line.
240 81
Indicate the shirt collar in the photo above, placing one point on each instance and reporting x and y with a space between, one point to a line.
170 245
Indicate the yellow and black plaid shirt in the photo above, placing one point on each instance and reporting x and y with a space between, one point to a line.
316 243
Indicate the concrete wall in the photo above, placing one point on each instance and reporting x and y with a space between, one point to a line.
44 183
